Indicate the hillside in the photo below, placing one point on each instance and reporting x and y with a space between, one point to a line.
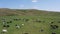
12 12
29 21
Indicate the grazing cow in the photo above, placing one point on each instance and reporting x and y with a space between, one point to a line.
10 21
38 21
54 26
25 33
6 25
51 22
26 20
3 20
22 24
41 30
4 31
17 19
53 33
7 22
17 26
58 21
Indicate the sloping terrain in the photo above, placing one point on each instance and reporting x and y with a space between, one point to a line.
29 21
10 12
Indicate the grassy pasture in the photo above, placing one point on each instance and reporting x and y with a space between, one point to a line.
31 27
38 21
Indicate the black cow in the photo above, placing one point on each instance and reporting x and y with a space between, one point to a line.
6 26
41 30
53 33
25 33
26 20
54 26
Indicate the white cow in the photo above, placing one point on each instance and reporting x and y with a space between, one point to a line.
18 26
4 30
22 24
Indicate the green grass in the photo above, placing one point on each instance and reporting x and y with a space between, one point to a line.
31 27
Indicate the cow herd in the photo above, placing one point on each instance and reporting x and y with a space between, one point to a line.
6 24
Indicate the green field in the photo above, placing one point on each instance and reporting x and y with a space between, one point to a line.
32 26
